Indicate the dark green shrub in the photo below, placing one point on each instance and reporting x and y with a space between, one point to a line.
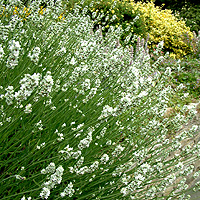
187 9
191 16
174 4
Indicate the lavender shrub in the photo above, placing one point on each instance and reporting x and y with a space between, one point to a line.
83 117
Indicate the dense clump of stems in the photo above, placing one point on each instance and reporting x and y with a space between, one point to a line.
83 117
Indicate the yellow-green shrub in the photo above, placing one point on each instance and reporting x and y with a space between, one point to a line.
162 25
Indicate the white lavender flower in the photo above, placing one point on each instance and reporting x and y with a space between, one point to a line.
9 95
66 153
83 170
28 84
41 145
73 62
45 193
1 52
125 191
104 158
39 125
94 166
12 60
118 150
49 169
84 143
24 198
86 84
14 48
54 179
28 108
34 55
46 85
76 154
68 191
107 111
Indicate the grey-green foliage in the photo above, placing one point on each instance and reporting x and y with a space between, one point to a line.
82 117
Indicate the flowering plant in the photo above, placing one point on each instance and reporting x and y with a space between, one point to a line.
83 117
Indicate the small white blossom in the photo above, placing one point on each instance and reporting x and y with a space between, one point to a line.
12 60
86 84
41 145
146 168
125 191
49 169
46 84
1 52
107 111
84 143
9 96
73 62
118 150
34 55
24 198
68 191
104 158
83 170
126 100
94 166
28 108
39 125
45 193
14 48
76 154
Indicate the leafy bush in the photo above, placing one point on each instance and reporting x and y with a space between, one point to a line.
174 4
187 10
190 14
164 26
81 116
